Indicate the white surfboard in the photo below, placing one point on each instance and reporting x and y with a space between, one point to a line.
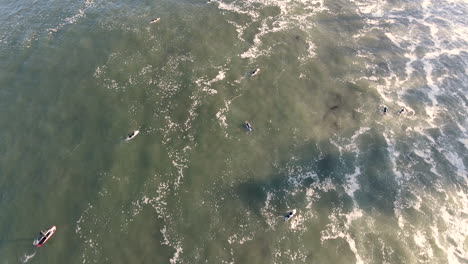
290 215
132 135
255 72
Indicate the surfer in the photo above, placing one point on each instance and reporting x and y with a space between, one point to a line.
248 126
401 111
132 135
254 72
41 238
385 109
289 215
44 236
155 20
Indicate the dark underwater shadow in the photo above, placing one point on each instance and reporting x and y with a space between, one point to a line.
252 194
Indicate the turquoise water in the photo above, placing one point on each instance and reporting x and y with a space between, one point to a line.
194 186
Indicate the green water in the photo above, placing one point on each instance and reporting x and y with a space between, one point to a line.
194 186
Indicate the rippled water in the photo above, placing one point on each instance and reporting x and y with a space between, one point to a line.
194 186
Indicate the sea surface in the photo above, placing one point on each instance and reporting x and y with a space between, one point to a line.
195 186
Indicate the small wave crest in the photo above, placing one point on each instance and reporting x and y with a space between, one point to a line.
25 258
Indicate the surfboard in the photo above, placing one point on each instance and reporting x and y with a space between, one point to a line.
255 72
132 135
41 241
248 126
156 20
290 215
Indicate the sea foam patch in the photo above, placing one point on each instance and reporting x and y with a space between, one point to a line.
80 13
290 17
336 230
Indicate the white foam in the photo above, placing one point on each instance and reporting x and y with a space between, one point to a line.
311 51
373 8
176 256
422 243
236 8
180 170
235 240
337 230
448 39
73 19
425 154
457 231
349 144
164 233
440 40
350 217
267 211
309 196
221 75
297 177
220 115
27 257
464 141
297 223
394 154
352 183
457 162
206 85
430 82
293 14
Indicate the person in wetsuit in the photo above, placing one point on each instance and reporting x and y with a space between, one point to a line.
248 126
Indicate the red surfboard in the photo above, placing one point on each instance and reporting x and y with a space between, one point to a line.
43 239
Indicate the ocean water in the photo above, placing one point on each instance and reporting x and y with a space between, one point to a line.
194 186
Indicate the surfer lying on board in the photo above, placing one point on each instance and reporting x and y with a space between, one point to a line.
254 72
289 215
248 126
132 135
44 236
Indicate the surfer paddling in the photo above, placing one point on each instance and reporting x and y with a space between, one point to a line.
248 126
156 20
290 215
132 135
254 72
44 236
